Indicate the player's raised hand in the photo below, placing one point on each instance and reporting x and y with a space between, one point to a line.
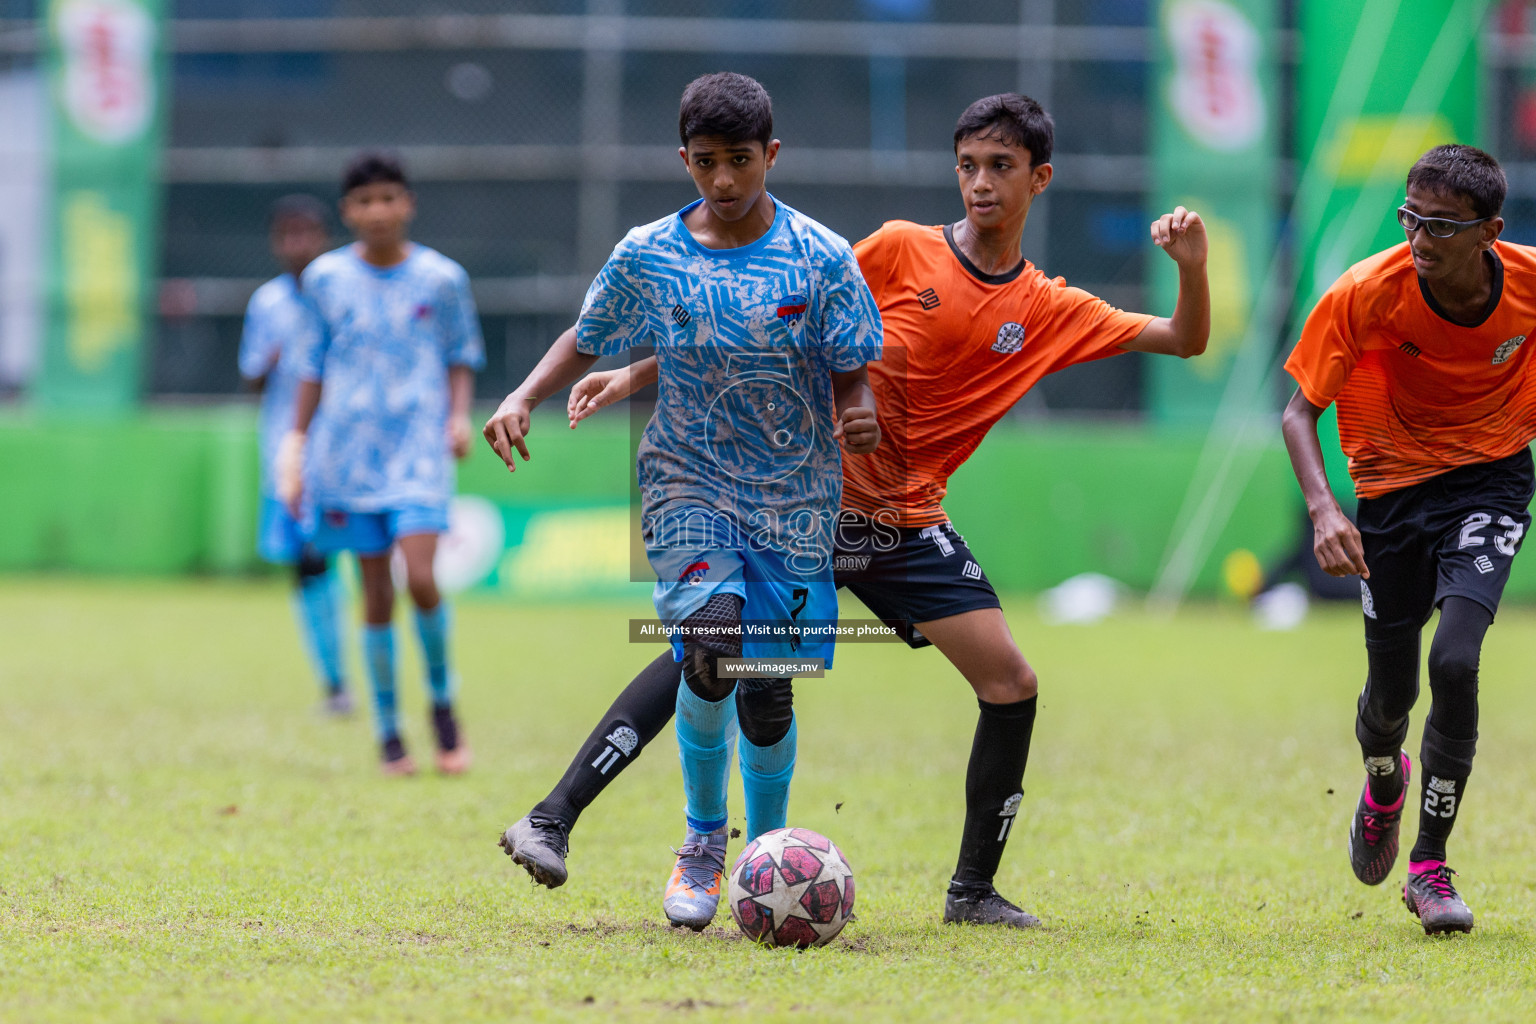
1337 545
508 429
461 434
858 430
1181 234
597 391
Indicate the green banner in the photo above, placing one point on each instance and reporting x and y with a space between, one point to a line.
1214 151
107 107
1384 80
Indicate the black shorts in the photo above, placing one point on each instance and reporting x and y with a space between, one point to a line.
1454 535
908 575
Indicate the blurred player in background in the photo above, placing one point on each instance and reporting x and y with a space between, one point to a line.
1423 348
276 321
382 411
741 296
970 327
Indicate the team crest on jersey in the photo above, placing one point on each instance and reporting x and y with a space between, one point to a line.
791 309
1010 338
693 573
421 312
1011 805
1504 351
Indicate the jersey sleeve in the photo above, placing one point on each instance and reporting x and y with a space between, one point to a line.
308 355
1084 327
1327 352
259 348
851 332
462 343
614 314
876 254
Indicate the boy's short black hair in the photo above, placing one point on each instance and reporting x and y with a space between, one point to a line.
300 206
1465 171
370 167
725 104
1013 120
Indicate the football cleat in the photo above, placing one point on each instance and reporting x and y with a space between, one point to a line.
540 846
1430 896
983 905
337 704
1373 833
693 891
393 760
453 756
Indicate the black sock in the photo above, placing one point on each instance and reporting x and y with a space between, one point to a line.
1450 731
994 783
633 720
1381 725
1437 815
1384 779
1447 765
445 727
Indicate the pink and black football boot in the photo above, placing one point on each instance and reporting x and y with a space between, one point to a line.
1373 832
1430 896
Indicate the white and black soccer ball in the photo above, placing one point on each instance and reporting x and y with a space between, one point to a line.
791 887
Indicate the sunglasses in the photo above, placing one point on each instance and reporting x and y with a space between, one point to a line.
1439 227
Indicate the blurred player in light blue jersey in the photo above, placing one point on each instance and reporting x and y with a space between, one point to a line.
276 323
762 326
382 411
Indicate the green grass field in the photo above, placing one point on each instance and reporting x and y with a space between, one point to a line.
183 839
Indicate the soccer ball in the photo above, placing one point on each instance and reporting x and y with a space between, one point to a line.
791 887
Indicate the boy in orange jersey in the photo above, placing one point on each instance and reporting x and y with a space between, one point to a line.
970 327
1421 348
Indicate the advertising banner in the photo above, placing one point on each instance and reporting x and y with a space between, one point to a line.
107 112
1214 151
24 167
1383 82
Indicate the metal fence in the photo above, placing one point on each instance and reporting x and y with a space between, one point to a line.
538 131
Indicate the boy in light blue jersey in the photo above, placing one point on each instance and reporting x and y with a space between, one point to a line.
382 410
762 326
276 323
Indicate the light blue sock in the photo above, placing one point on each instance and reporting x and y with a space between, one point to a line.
318 611
765 775
432 628
704 734
379 646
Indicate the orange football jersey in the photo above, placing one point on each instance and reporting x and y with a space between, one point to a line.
1419 393
961 347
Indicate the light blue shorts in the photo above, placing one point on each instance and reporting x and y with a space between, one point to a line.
279 537
373 533
785 614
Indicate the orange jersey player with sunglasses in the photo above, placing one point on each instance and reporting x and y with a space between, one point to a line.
1422 348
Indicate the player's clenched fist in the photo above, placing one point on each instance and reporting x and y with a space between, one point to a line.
461 434
858 430
508 428
1181 234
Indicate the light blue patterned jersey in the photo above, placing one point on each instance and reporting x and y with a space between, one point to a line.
278 322
745 340
387 338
